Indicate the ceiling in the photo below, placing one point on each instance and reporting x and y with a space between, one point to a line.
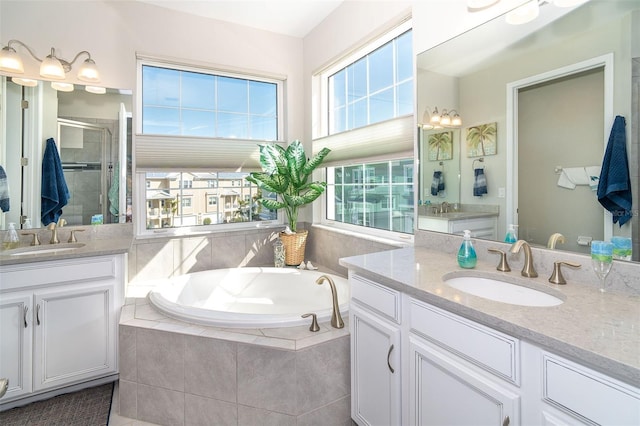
289 17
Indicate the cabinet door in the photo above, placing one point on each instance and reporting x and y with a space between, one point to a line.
74 334
444 391
15 343
375 369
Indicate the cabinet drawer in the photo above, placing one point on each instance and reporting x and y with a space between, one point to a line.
59 272
489 349
381 299
588 394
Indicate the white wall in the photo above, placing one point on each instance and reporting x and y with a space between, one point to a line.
113 31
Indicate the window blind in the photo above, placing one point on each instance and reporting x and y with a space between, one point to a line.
387 140
155 152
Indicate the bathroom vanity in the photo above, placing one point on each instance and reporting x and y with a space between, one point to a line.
58 318
481 224
425 353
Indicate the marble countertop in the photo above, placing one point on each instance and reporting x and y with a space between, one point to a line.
599 330
90 247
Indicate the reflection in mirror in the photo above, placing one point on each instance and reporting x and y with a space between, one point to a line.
93 136
497 73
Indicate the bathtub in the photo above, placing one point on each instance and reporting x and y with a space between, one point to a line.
249 297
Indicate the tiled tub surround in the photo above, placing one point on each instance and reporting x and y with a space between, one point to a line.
176 373
601 331
166 257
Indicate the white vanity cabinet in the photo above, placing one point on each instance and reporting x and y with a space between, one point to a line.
375 353
59 323
460 372
480 227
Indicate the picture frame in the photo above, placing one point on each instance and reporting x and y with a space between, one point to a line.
440 146
481 140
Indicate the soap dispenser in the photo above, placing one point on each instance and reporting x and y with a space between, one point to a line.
467 254
11 239
511 236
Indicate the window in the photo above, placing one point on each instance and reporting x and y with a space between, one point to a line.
196 124
201 207
189 103
383 201
374 88
365 114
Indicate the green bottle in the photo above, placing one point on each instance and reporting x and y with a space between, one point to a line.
467 257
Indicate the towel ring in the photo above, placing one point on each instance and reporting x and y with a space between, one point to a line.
481 160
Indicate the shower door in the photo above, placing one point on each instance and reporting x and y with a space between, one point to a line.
85 152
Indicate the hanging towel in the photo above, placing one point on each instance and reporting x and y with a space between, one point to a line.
479 183
437 184
573 176
55 193
4 191
614 188
114 191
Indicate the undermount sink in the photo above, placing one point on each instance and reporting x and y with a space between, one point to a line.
502 291
46 249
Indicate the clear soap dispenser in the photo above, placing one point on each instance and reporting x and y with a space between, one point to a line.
511 236
467 257
11 239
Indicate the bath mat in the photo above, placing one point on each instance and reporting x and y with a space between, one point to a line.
86 407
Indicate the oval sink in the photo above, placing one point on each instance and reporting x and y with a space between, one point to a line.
44 249
502 291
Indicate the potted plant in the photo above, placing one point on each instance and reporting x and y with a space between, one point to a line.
286 172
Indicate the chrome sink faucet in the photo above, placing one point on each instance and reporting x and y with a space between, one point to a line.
527 270
336 318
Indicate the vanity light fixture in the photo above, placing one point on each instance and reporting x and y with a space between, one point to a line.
51 67
61 86
24 81
436 120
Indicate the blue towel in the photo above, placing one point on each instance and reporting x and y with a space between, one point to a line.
55 193
437 184
114 191
4 191
479 183
614 188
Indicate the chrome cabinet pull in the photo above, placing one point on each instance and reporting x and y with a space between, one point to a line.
506 421
24 311
388 360
38 314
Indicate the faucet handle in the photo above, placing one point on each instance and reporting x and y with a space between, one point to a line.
314 321
556 276
503 265
72 235
36 241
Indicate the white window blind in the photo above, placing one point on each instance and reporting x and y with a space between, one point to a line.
171 152
391 139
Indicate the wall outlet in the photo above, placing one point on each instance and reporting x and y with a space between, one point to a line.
501 193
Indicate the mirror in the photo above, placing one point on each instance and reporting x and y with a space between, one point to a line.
93 136
501 75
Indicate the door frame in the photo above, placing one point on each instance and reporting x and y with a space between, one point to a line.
604 61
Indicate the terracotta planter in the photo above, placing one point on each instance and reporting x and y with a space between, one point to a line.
294 245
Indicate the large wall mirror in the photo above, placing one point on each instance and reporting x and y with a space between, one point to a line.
93 136
537 102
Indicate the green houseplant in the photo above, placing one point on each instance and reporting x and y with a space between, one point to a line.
287 172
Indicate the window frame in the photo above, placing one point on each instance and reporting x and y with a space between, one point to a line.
140 172
320 129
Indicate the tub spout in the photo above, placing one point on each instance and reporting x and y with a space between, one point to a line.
336 318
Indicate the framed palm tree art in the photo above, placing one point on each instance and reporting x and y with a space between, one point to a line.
481 140
440 146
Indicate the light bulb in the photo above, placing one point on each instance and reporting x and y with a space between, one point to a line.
435 117
523 14
62 87
10 61
88 72
52 68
